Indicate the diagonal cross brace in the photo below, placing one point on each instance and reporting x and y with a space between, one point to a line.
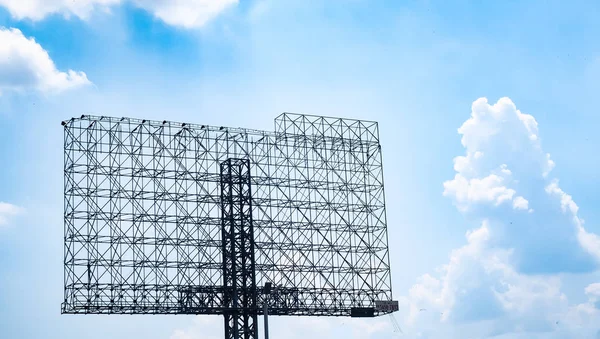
239 280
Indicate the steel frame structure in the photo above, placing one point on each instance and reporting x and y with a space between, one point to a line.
151 208
239 276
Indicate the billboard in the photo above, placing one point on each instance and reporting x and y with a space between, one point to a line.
144 219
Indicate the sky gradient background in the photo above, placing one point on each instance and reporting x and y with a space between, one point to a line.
492 203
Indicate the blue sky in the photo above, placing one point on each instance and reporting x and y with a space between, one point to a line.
416 67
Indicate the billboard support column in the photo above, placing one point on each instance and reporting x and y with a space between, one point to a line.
239 280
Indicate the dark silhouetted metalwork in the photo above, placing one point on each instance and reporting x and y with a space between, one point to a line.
172 218
239 280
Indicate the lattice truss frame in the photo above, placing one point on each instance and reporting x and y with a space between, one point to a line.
143 220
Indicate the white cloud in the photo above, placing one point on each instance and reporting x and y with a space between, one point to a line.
593 290
589 241
259 9
203 327
480 285
7 211
491 188
504 282
520 203
183 13
566 201
25 65
480 294
39 9
504 165
491 134
211 327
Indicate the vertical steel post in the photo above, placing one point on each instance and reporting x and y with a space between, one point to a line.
266 311
239 279
267 293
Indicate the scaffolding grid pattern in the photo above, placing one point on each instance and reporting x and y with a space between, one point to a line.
143 218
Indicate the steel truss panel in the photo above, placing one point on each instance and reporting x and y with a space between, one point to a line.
143 215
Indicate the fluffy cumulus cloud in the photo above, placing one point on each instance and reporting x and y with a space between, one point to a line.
505 177
183 13
481 293
7 212
505 281
25 65
493 134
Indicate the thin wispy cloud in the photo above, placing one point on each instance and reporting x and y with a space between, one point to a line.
181 13
8 212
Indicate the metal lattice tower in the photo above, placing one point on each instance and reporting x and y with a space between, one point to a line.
172 218
239 280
